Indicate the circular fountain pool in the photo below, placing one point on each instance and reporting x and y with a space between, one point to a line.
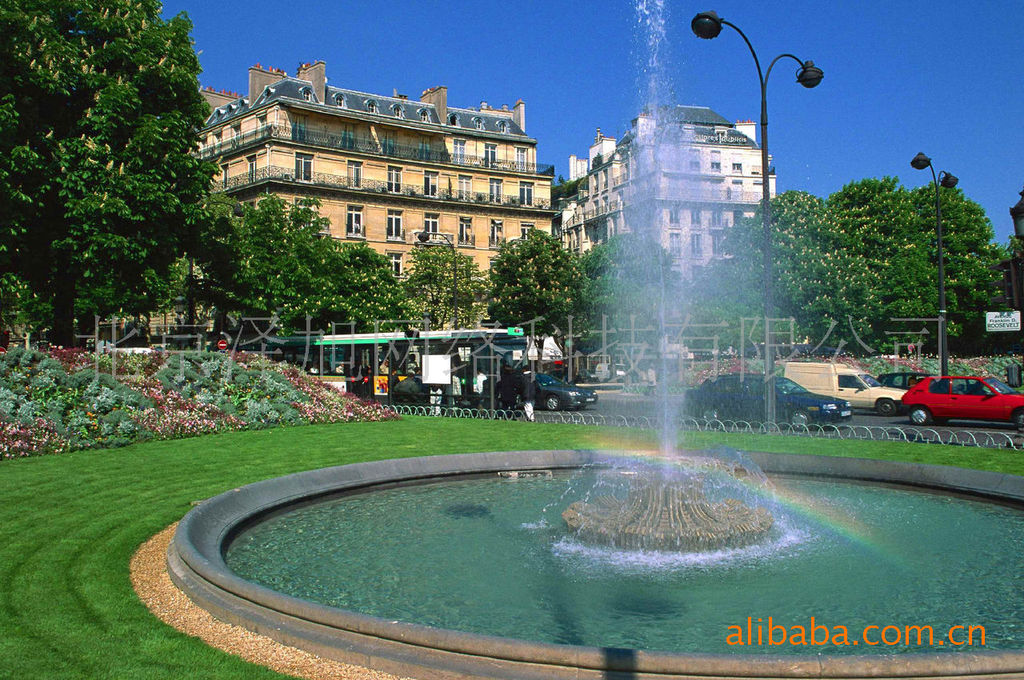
440 563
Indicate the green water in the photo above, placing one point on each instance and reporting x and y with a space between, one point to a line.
492 556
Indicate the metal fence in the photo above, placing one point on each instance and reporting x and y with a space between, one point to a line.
890 433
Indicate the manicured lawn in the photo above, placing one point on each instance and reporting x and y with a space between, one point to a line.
69 525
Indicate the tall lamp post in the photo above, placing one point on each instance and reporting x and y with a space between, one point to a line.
920 162
1017 215
425 239
708 25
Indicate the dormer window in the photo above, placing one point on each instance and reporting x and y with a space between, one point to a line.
424 115
453 120
371 106
307 94
502 126
478 123
399 111
339 99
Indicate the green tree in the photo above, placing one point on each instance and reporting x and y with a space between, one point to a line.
99 104
282 260
429 286
535 280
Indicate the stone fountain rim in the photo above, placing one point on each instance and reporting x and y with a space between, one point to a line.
196 564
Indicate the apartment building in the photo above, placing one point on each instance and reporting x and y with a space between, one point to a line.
384 168
688 173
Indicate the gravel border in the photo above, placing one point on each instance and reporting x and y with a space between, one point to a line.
148 571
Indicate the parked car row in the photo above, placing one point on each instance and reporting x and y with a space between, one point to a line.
938 399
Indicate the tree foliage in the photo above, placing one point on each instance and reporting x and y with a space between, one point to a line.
535 280
845 267
429 286
99 104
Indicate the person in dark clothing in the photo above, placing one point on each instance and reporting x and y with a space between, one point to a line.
529 391
509 387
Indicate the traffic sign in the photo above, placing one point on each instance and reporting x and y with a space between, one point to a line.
515 330
1002 321
222 344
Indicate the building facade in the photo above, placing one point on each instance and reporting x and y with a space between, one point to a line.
384 168
688 173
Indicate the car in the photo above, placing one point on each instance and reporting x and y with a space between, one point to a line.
729 396
554 394
901 380
937 399
845 382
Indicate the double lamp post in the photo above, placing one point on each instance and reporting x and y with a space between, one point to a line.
708 25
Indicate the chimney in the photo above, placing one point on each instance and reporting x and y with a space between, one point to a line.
438 96
747 127
215 99
519 114
484 106
261 77
316 74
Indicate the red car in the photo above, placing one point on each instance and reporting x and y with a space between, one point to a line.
938 399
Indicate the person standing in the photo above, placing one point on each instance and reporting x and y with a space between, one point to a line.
529 392
508 387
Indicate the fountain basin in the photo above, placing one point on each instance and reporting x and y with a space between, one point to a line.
196 561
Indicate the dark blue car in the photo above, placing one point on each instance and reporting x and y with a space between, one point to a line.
729 397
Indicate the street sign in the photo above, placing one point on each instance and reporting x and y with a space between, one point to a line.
1002 321
515 330
222 344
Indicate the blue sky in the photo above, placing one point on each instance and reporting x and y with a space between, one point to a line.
945 77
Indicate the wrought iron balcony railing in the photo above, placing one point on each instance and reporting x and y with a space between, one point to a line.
351 142
362 184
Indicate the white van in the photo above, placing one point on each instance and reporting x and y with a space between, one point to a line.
845 382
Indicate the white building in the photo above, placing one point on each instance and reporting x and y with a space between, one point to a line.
689 172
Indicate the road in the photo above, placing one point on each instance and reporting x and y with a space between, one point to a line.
616 403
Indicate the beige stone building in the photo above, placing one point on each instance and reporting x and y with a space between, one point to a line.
690 172
384 168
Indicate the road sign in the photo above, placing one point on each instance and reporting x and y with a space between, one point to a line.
1002 321
3 350
222 344
515 330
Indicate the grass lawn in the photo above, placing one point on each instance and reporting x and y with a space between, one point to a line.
69 525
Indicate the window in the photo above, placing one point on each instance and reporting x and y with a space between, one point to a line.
478 123
502 127
348 137
696 249
466 231
490 155
695 218
430 222
716 166
339 99
716 218
395 232
717 240
307 94
496 233
387 145
465 187
261 121
495 185
396 263
424 116
236 130
215 137
453 120
424 150
673 215
355 173
849 382
939 386
526 193
675 244
524 229
299 129
394 178
252 168
459 151
371 106
695 164
737 167
303 167
520 159
354 221
430 183
224 174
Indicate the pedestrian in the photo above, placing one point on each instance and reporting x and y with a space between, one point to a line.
529 391
508 387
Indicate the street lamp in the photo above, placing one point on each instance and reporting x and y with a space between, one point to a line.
920 162
708 25
1017 214
425 239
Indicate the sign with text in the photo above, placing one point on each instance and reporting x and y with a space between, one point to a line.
1002 321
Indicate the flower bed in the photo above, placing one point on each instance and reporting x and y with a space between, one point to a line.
70 399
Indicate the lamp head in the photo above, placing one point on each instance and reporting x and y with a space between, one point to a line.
809 75
179 305
947 180
423 237
920 162
238 210
706 25
1017 213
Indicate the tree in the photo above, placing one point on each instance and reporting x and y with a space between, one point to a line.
429 286
535 280
99 104
283 261
859 259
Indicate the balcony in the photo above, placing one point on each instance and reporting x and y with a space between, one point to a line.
467 239
363 185
397 235
350 142
495 241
